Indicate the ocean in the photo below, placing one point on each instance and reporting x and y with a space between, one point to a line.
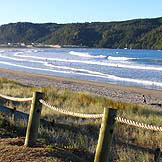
140 68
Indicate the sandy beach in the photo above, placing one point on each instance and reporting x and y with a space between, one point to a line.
117 92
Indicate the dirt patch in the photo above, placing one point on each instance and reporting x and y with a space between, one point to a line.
13 149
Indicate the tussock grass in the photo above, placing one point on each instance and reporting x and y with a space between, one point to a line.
81 135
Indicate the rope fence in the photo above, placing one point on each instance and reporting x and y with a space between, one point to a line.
138 124
97 116
81 115
74 114
106 131
16 98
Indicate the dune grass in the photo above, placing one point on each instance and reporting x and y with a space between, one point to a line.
81 135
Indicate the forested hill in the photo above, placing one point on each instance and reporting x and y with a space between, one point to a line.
138 34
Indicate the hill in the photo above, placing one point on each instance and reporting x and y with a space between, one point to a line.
138 34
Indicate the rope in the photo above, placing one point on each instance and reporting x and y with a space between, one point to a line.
92 116
96 116
16 99
138 124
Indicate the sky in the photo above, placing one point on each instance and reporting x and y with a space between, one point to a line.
73 11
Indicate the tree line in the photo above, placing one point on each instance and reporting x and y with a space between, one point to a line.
134 34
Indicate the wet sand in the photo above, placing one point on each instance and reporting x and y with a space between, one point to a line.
117 92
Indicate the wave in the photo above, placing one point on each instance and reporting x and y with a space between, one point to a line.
74 69
95 63
19 52
24 60
113 77
33 68
120 58
12 58
48 64
32 51
81 54
89 73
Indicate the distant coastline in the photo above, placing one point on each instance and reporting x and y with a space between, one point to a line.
38 45
132 34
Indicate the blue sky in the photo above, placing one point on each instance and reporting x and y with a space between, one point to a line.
68 11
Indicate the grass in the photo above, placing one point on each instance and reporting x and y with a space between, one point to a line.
80 136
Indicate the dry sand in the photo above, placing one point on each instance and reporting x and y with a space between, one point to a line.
117 92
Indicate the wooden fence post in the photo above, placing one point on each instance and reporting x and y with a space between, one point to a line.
105 136
157 155
13 114
34 119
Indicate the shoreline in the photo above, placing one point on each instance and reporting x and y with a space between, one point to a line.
127 94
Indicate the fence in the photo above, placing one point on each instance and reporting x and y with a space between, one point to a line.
106 131
35 111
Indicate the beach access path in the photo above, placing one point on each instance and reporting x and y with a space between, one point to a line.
112 91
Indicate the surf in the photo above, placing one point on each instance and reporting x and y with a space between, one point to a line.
82 54
120 58
91 73
100 63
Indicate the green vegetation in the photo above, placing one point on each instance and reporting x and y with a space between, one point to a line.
136 34
79 136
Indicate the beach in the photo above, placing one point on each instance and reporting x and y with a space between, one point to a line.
117 92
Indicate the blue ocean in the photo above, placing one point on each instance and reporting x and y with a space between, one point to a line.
140 68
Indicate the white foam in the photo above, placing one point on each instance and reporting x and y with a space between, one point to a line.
20 52
17 54
74 69
119 58
12 58
81 54
24 60
33 68
35 51
141 67
47 64
89 73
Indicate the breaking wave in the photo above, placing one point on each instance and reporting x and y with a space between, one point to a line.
87 73
82 54
120 58
141 67
87 66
